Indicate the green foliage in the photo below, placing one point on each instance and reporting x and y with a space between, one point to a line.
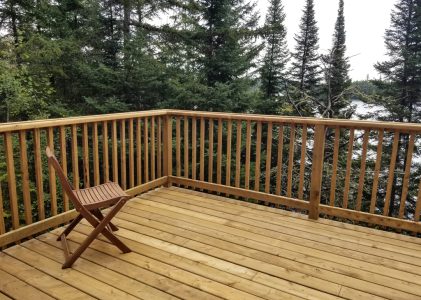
306 71
273 70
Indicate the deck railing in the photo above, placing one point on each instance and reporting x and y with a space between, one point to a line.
339 168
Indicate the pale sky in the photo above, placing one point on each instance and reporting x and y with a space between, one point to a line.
365 25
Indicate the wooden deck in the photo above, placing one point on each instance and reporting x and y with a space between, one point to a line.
190 245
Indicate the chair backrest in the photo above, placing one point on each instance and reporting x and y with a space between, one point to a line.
67 186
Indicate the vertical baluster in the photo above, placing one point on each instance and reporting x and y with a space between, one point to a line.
362 170
167 164
248 150
95 143
85 149
238 155
131 154
334 167
11 179
210 165
52 174
302 162
123 154
2 225
229 142
376 172
202 149
348 168
115 151
63 158
258 150
38 174
105 151
193 148
268 158
407 174
391 173
25 178
177 147
291 160
146 149
418 205
75 159
159 159
153 148
219 153
139 151
316 171
279 161
186 147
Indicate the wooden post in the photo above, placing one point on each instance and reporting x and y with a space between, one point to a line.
168 147
316 171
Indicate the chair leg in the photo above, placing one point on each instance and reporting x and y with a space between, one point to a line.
97 213
71 226
100 227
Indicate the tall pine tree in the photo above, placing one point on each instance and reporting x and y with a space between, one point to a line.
306 72
273 70
336 70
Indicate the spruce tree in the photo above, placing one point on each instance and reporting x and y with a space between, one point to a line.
218 42
401 86
306 72
336 72
273 70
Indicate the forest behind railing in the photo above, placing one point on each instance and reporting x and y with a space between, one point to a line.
338 168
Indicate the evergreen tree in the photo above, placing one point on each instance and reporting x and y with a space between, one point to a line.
306 64
336 69
273 70
400 88
216 39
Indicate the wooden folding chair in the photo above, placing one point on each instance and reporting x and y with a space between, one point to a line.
88 203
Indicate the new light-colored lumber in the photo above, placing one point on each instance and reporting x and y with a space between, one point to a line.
85 150
268 157
131 153
75 157
291 151
334 167
11 179
105 159
210 159
258 155
302 161
391 176
279 159
123 169
25 178
362 170
405 183
114 151
377 168
63 158
248 150
52 174
95 153
348 168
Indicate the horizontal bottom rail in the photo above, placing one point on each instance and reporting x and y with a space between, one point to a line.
147 186
290 202
37 227
34 228
370 218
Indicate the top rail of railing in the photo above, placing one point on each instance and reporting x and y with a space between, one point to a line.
357 124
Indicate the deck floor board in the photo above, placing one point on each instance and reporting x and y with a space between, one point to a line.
191 245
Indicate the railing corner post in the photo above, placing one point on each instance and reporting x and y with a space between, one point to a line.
167 147
316 171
